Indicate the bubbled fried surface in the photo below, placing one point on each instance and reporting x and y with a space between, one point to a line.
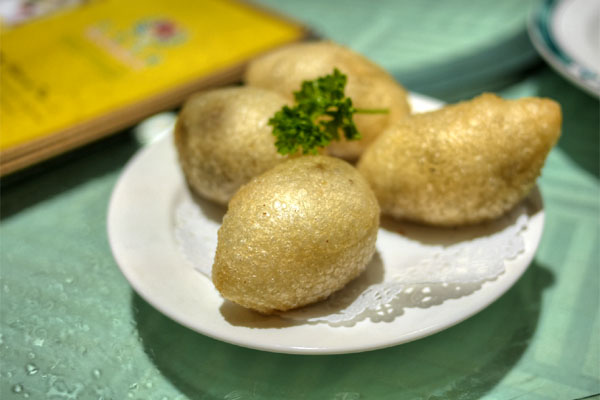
296 234
465 163
369 86
223 139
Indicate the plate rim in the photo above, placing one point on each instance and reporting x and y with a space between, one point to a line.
540 33
502 284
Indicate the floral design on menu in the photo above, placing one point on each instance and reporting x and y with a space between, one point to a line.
140 45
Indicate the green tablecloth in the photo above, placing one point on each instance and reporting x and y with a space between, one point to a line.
72 328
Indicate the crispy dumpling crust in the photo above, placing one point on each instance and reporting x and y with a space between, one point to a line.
462 164
223 139
296 234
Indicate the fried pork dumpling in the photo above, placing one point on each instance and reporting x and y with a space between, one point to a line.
223 139
296 234
462 164
369 86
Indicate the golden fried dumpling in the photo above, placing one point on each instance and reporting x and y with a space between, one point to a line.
296 234
223 139
464 163
369 86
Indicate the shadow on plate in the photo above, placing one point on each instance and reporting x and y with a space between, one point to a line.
211 210
237 315
447 236
465 361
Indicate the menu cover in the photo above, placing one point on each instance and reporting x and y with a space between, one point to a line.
89 69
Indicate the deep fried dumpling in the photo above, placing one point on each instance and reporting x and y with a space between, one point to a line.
464 163
296 234
223 139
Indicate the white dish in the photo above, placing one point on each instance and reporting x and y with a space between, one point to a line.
141 224
566 33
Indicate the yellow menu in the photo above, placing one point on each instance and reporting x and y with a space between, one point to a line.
75 76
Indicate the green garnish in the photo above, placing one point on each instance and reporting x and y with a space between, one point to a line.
321 112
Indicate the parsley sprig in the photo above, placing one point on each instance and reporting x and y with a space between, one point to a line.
321 112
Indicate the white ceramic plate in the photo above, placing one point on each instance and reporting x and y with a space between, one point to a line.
141 232
567 34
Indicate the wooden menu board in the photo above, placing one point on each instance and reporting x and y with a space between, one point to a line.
85 72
